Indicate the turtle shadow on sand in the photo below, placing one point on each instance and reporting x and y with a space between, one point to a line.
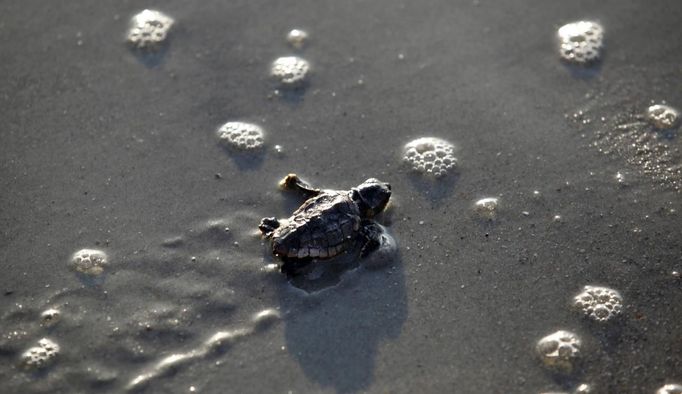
435 189
334 333
346 289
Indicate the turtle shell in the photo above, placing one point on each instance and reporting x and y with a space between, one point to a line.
323 227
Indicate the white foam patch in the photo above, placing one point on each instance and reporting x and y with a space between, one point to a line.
663 116
487 207
430 156
290 70
41 355
90 262
149 29
50 317
581 42
559 350
297 38
242 136
599 303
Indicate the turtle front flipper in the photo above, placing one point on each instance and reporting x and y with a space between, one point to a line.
268 225
370 234
296 267
294 183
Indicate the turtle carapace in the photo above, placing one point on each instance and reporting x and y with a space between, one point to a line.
329 223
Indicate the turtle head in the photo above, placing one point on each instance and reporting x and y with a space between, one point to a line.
371 196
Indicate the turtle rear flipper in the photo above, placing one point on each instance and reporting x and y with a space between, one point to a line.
268 225
294 183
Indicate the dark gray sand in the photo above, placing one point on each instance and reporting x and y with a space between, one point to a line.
102 149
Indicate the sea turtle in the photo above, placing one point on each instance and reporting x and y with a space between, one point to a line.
329 223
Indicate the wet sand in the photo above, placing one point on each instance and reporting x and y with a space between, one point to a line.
101 149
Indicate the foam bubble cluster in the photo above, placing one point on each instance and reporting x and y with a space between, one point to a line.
486 207
670 389
241 135
50 317
663 116
599 303
41 355
297 38
581 42
149 29
90 262
290 70
559 351
430 155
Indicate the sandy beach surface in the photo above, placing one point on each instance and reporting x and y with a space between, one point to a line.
115 150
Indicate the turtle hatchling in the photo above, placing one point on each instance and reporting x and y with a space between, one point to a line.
329 223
